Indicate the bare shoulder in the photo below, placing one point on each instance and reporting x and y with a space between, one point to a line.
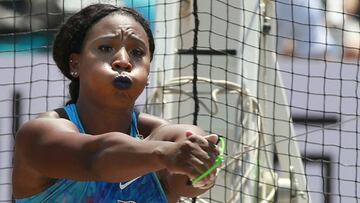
40 129
44 122
28 137
56 113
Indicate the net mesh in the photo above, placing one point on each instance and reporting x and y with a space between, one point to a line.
277 79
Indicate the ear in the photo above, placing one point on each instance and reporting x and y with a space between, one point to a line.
74 63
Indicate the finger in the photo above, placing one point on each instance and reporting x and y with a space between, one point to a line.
195 157
198 165
212 139
211 152
209 149
206 158
198 139
205 144
188 133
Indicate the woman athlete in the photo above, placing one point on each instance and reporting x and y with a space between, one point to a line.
97 148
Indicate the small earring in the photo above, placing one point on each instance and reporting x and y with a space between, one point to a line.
74 74
70 60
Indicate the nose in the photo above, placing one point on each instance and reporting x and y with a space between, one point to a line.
122 61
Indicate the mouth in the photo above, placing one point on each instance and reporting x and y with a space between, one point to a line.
122 82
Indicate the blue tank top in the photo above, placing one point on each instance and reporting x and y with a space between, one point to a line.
143 189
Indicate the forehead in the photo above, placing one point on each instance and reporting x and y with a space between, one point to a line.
116 24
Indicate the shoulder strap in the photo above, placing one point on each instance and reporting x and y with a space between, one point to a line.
134 132
71 111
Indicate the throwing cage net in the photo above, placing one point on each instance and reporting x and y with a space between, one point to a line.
277 79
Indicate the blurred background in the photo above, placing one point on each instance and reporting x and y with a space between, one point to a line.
317 52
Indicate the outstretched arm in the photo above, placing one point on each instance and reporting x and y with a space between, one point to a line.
48 148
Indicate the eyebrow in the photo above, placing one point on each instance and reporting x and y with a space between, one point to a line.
114 36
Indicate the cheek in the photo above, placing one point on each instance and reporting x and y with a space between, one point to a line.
142 69
97 67
142 77
96 73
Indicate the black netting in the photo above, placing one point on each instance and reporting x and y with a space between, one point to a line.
278 79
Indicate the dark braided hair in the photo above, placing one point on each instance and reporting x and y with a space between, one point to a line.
70 37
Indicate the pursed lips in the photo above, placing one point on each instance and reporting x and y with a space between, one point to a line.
122 82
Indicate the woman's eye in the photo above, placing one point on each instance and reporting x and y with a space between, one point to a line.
105 48
137 53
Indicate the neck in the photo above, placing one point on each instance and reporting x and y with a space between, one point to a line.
99 119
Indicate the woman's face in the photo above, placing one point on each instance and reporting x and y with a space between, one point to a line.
113 66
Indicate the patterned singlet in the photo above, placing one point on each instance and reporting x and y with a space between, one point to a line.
143 189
